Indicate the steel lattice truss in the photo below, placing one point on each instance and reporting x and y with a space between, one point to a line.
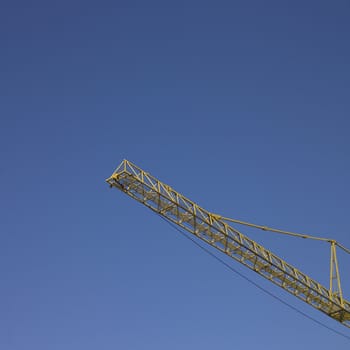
173 206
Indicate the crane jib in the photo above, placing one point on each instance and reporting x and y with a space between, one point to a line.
215 231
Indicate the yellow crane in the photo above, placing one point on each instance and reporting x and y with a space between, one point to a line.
217 232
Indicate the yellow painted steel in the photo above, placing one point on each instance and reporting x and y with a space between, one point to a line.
334 278
215 230
334 275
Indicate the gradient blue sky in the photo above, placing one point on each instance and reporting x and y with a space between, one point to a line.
243 106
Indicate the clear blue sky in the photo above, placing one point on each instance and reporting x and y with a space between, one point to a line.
243 106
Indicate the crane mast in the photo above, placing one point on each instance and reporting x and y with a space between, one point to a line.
217 232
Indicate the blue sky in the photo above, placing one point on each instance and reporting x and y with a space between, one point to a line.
242 106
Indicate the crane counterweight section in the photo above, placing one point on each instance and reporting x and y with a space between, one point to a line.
217 232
